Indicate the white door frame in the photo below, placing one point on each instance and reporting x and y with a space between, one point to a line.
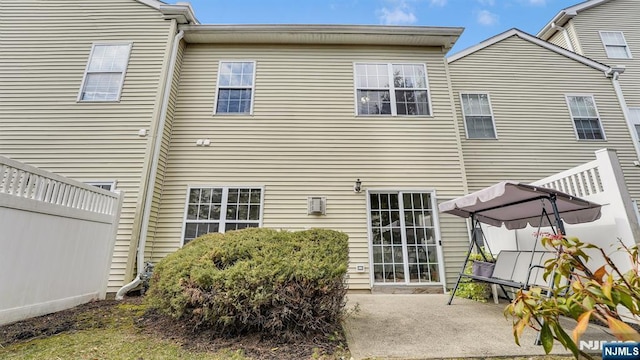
436 228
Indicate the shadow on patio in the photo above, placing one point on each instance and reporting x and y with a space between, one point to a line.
423 326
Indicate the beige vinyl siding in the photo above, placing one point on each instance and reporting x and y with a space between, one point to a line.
304 139
536 138
618 15
574 37
45 48
559 39
164 151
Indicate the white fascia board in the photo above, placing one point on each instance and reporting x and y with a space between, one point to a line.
545 44
565 15
182 12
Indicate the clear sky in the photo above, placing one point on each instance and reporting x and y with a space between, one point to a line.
480 18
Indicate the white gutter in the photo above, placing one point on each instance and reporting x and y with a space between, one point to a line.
154 170
615 74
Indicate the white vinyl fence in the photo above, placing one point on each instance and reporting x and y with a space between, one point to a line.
56 241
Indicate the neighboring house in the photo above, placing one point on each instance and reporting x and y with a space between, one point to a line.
607 31
269 117
78 81
529 109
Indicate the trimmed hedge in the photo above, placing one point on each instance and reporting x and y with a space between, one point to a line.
256 280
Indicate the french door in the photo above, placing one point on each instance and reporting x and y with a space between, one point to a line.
403 238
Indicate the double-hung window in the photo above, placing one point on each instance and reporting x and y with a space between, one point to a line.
220 209
235 87
105 72
585 117
392 89
615 45
478 117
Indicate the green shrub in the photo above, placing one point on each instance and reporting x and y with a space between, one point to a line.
474 290
256 280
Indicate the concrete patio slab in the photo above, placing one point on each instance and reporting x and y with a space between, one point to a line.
424 327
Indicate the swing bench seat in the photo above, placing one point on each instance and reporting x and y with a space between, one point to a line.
516 269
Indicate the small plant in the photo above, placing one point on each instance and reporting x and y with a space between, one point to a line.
474 290
579 293
277 283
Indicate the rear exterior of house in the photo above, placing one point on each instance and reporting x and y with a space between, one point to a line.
529 109
78 81
273 129
606 31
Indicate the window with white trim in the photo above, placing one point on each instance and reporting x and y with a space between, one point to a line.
221 209
235 87
585 117
634 114
105 72
478 117
615 45
392 89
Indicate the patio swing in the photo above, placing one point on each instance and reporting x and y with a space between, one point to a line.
516 205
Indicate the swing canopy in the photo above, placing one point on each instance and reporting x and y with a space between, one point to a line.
515 205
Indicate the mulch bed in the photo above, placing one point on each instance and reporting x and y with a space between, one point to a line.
98 314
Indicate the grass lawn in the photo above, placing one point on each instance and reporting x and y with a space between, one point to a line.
116 330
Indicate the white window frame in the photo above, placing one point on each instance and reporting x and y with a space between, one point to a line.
573 121
253 88
391 88
626 44
87 72
101 184
223 208
464 116
436 228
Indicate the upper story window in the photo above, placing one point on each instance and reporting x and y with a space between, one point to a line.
105 72
635 119
235 87
392 89
220 209
615 44
585 117
478 117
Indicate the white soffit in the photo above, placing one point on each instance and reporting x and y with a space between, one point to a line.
565 15
444 37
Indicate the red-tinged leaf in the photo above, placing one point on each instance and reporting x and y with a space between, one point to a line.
581 327
546 338
621 330
517 330
599 274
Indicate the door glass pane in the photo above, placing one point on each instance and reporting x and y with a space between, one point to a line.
401 246
386 237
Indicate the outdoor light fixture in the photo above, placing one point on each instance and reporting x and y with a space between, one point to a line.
357 187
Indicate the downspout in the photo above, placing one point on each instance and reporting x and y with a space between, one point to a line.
615 74
154 170
565 34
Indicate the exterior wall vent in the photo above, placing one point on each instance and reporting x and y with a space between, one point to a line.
317 205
